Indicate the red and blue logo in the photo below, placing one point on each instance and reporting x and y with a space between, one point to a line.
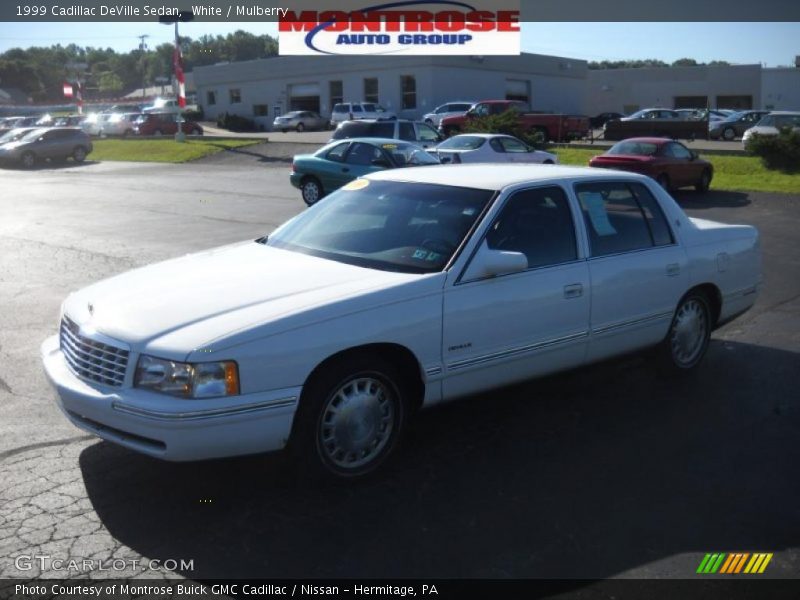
410 27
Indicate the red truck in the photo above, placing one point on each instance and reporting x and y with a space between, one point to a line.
553 127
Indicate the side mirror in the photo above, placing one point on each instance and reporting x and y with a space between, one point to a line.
490 263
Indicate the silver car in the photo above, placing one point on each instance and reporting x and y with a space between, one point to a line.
451 109
47 143
300 120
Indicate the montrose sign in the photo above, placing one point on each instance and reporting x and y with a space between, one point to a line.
402 28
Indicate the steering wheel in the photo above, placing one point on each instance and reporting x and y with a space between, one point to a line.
438 245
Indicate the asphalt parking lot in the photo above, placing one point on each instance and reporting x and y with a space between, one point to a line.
612 470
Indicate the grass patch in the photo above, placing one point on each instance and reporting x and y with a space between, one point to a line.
164 150
733 173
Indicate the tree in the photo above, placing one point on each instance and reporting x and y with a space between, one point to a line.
685 62
110 82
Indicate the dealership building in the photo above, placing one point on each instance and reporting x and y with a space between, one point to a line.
407 85
413 85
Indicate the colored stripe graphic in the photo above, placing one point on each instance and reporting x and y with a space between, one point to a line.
734 563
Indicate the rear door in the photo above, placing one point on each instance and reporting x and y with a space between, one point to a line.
637 269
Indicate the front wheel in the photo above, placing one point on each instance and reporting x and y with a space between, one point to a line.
689 334
158 133
311 189
729 133
300 128
350 419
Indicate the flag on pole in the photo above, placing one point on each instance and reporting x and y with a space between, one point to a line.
79 98
177 61
67 90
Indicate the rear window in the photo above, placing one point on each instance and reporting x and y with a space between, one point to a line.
635 148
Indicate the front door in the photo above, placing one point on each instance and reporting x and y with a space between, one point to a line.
507 328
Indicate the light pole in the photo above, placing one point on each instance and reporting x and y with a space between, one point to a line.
177 63
143 49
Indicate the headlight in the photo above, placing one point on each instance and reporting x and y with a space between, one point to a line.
187 380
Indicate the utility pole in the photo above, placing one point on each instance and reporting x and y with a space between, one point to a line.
143 48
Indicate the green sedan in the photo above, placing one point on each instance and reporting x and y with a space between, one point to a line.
338 163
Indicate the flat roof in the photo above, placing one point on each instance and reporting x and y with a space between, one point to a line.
495 176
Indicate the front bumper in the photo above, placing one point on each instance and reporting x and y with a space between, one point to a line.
172 428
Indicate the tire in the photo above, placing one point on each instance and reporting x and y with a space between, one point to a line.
312 191
663 181
79 154
429 122
158 133
545 135
195 131
300 128
28 160
351 416
127 133
689 333
729 134
548 162
705 182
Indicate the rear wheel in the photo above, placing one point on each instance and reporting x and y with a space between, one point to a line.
300 128
158 133
704 183
729 133
28 160
79 154
195 131
311 189
350 419
689 334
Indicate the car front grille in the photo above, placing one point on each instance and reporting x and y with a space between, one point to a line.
90 359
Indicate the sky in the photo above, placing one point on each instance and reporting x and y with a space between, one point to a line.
773 44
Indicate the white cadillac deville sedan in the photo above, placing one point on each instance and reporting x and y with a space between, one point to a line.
401 290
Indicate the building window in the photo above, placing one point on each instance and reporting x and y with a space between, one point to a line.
211 98
408 87
336 93
260 110
371 89
518 89
235 95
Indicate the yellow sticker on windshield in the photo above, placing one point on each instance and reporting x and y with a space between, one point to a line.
389 146
356 184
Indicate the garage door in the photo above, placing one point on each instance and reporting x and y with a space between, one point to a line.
304 96
518 89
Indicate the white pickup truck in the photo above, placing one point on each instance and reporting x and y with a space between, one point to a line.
401 290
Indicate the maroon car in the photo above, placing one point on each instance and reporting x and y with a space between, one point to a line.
164 124
669 162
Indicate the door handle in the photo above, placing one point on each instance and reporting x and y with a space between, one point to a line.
574 290
673 269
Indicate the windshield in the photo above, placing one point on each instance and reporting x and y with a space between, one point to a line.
387 225
639 114
638 148
12 135
462 142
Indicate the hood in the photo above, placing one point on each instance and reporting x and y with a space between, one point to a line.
185 303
